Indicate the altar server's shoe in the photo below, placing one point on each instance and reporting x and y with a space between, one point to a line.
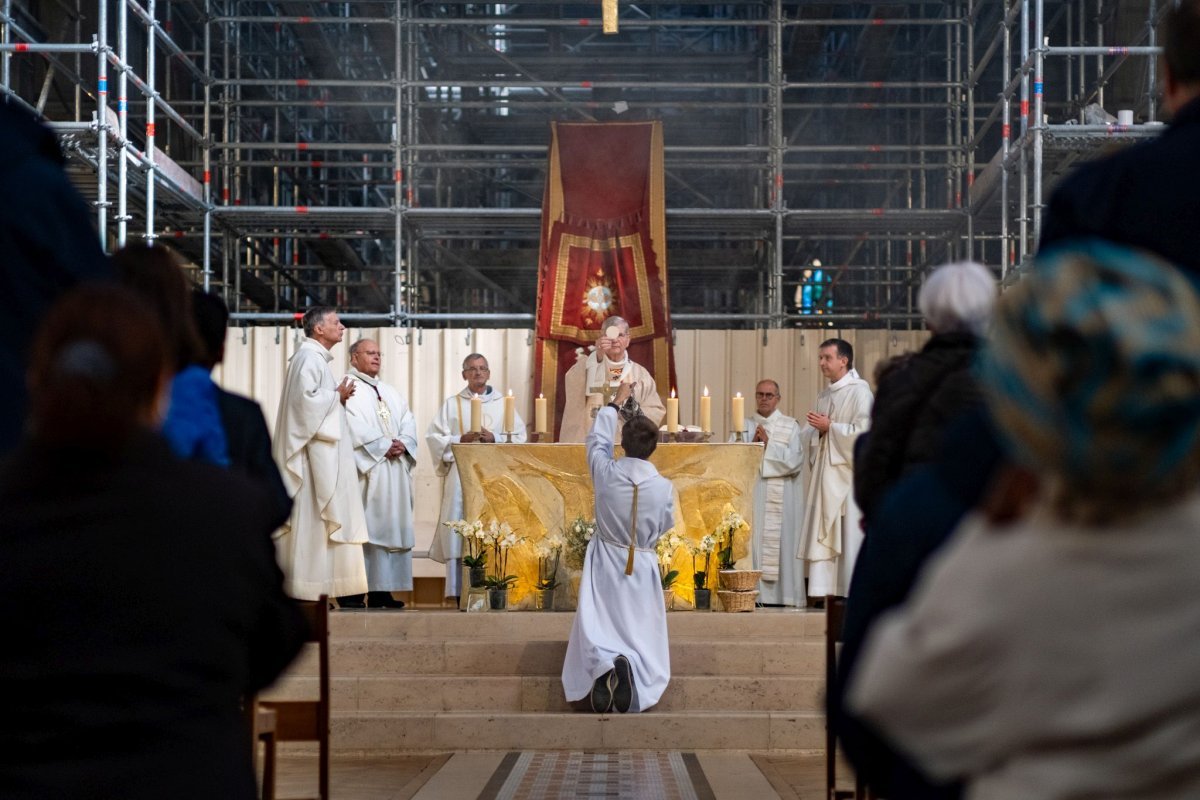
623 694
602 692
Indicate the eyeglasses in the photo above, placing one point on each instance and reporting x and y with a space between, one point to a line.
765 394
476 369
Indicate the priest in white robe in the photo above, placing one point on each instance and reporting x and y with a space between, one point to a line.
384 432
592 380
831 535
778 500
452 425
618 650
320 546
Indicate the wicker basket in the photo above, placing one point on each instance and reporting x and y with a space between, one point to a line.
739 580
737 601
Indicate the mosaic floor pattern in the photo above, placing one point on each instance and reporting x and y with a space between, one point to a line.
551 775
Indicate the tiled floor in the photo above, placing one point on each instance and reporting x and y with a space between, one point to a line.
463 776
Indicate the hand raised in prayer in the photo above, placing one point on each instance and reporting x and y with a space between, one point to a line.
624 392
760 435
346 389
819 421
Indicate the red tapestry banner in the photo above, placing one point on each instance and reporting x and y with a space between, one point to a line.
603 250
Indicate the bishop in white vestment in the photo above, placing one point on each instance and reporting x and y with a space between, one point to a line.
621 610
384 433
778 500
592 380
831 535
320 546
452 425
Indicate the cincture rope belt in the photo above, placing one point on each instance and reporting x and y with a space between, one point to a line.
632 533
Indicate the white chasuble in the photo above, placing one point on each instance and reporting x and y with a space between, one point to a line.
452 421
578 382
620 614
831 535
778 510
320 546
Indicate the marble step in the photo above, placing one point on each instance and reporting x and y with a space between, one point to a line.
449 624
379 657
383 732
543 693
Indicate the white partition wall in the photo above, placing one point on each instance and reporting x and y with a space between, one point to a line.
426 367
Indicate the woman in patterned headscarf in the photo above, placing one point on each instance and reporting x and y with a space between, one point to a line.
1056 656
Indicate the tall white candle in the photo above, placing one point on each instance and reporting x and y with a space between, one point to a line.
476 414
705 412
739 412
539 414
672 413
510 412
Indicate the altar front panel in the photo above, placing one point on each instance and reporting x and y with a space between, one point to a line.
539 488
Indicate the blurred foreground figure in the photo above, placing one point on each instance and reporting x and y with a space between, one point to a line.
143 600
1050 649
47 246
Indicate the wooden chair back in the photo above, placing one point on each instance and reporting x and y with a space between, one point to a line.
308 720
835 617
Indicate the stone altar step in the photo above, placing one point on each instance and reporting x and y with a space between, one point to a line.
389 732
473 657
544 693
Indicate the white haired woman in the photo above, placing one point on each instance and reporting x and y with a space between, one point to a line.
922 394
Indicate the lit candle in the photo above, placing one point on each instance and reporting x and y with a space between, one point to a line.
476 413
705 412
539 414
739 411
672 413
510 412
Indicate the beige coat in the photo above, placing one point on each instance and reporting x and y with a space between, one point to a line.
577 418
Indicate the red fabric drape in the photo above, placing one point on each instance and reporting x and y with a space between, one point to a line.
603 250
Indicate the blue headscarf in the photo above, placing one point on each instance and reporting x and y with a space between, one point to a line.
1093 376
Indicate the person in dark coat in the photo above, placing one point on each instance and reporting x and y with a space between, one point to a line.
144 597
1148 195
246 432
916 517
48 244
917 398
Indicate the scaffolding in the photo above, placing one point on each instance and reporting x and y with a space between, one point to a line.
387 156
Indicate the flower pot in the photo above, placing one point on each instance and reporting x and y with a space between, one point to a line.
669 599
498 599
478 574
543 600
704 599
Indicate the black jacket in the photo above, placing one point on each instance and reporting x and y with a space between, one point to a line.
48 244
249 444
913 405
1147 196
142 601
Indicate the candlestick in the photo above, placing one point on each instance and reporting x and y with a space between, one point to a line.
539 414
672 413
739 411
476 414
705 411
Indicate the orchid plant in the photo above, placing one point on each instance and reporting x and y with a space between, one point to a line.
501 538
727 529
474 541
668 543
704 547
548 552
579 532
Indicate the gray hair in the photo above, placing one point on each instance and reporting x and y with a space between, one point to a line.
614 320
472 357
314 317
959 298
354 347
